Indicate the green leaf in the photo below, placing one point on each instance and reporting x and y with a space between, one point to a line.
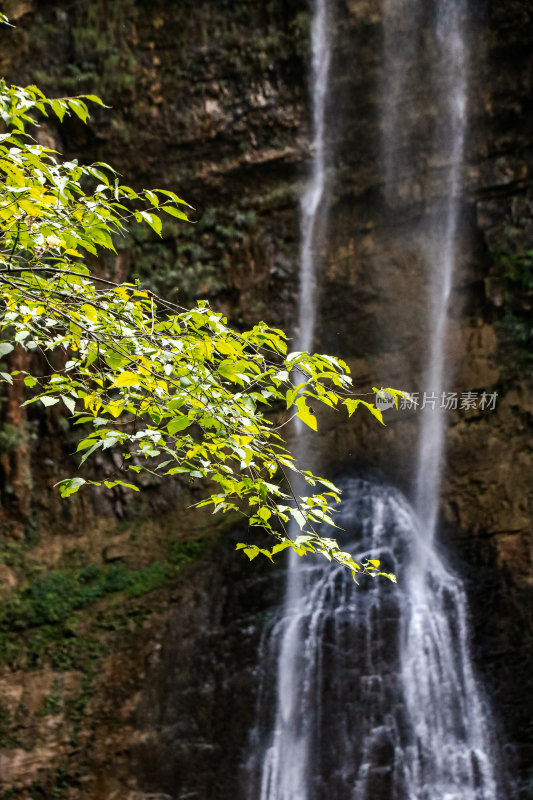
298 517
127 378
86 442
5 348
176 403
264 513
116 360
229 370
178 424
173 196
88 452
80 109
92 353
101 236
46 400
351 405
112 484
291 394
252 551
153 221
305 413
70 486
59 107
175 212
95 99
281 546
374 411
89 312
69 402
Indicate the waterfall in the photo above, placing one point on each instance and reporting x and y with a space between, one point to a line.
449 755
450 65
368 693
284 770
370 723
403 23
314 192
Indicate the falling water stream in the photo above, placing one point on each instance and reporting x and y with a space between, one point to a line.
451 68
449 755
284 771
374 696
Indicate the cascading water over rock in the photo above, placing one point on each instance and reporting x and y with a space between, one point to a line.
353 690
374 696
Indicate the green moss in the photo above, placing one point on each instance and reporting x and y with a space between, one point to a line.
49 620
51 705
8 736
189 262
60 783
515 328
53 597
51 788
60 647
282 194
102 52
76 708
117 617
13 553
186 551
9 650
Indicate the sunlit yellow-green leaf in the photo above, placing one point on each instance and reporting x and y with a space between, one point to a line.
89 312
305 413
127 378
178 424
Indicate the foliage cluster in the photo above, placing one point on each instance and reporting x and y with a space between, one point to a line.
174 390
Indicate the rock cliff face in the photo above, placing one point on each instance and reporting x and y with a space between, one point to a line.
146 686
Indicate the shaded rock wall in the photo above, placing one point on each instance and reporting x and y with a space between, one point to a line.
152 691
